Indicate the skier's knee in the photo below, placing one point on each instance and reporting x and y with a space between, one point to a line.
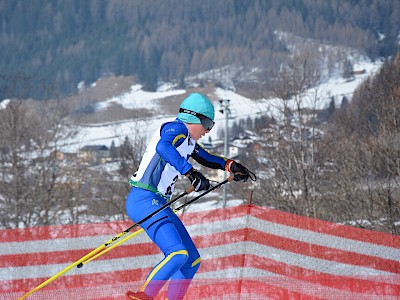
196 264
190 268
179 257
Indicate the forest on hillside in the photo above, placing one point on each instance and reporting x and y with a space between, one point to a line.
49 46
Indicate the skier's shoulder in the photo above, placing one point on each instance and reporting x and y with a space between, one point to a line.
175 127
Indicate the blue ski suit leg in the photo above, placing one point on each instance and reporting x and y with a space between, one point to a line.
181 258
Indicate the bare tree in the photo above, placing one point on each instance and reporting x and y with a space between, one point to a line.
30 133
291 144
14 141
113 186
366 152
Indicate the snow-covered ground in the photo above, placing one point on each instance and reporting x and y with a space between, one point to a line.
4 103
241 107
137 98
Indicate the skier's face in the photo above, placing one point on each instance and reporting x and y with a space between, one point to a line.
196 131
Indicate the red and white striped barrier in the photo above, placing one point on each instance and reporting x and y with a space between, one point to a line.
248 252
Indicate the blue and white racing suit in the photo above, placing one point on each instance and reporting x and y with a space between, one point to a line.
166 157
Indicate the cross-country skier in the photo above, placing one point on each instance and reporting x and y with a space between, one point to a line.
165 158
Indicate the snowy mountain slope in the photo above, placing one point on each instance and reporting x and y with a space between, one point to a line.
240 106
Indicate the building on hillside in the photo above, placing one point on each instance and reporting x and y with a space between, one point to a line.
212 145
95 153
63 156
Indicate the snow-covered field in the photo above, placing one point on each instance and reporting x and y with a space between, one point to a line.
241 107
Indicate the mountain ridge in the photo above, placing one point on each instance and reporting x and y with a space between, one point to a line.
48 47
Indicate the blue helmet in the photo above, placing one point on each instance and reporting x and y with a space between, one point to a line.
198 103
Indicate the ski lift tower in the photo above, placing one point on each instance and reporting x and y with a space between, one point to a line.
226 111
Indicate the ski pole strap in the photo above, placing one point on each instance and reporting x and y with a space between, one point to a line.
252 176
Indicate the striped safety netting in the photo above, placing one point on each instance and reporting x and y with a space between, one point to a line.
248 252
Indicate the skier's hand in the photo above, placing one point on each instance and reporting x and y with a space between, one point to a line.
241 173
199 182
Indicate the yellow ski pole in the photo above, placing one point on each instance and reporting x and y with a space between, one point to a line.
111 247
87 256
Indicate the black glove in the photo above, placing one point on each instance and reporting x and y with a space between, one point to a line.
240 172
199 182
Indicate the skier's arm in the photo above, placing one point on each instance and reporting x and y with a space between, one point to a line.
172 135
215 161
209 159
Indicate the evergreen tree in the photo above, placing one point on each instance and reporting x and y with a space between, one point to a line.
331 107
249 123
347 72
113 150
345 103
73 41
